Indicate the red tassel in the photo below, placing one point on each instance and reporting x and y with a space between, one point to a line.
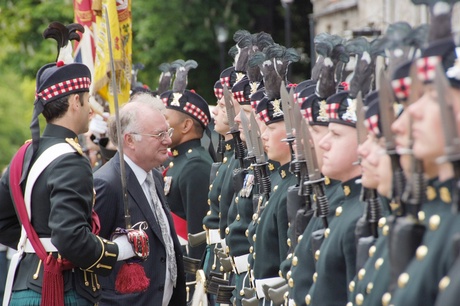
131 278
53 282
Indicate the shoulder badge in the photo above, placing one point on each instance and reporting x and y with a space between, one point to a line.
444 194
346 190
430 193
175 153
283 174
228 147
74 145
271 167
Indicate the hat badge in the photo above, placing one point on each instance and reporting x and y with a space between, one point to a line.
350 114
176 97
322 116
277 112
254 86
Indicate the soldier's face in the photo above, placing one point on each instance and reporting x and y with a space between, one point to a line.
340 146
85 112
317 133
220 118
368 152
175 120
426 126
276 149
384 173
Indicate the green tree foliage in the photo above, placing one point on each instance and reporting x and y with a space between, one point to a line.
163 31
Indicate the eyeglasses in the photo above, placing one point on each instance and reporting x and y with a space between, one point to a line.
160 136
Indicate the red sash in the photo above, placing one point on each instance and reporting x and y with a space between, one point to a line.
181 226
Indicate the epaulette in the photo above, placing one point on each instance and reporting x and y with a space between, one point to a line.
74 145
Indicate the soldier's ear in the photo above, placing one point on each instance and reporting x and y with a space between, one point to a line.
187 125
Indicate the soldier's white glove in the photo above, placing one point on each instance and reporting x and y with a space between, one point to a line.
98 125
125 249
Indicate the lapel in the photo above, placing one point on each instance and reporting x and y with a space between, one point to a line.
138 199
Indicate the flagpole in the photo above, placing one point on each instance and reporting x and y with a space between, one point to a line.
118 124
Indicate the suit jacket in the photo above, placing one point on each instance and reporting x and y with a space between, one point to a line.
109 206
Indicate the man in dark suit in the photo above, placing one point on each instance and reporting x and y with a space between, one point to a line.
146 137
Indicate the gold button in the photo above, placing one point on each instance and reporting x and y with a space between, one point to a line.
315 277
430 193
307 299
289 256
209 201
338 211
288 241
251 249
254 237
246 233
299 238
444 283
241 292
421 252
435 220
361 274
208 213
254 217
275 188
359 299
378 263
291 282
351 286
349 304
210 186
221 269
227 230
254 256
189 151
403 279
238 217
385 230
372 250
386 298
421 216
258 221
369 288
288 275
382 222
236 200
295 261
327 232
224 160
219 197
171 164
317 255
444 194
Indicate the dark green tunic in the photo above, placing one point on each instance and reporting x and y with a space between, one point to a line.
336 265
186 187
302 262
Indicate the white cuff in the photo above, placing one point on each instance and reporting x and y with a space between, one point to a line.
125 249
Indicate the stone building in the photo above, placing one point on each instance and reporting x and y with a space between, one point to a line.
343 17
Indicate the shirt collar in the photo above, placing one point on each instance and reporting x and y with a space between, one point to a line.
140 173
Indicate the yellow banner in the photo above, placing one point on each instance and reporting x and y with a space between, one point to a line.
120 22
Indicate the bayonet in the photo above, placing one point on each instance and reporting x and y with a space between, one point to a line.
247 135
288 116
314 174
239 146
387 113
261 163
387 117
